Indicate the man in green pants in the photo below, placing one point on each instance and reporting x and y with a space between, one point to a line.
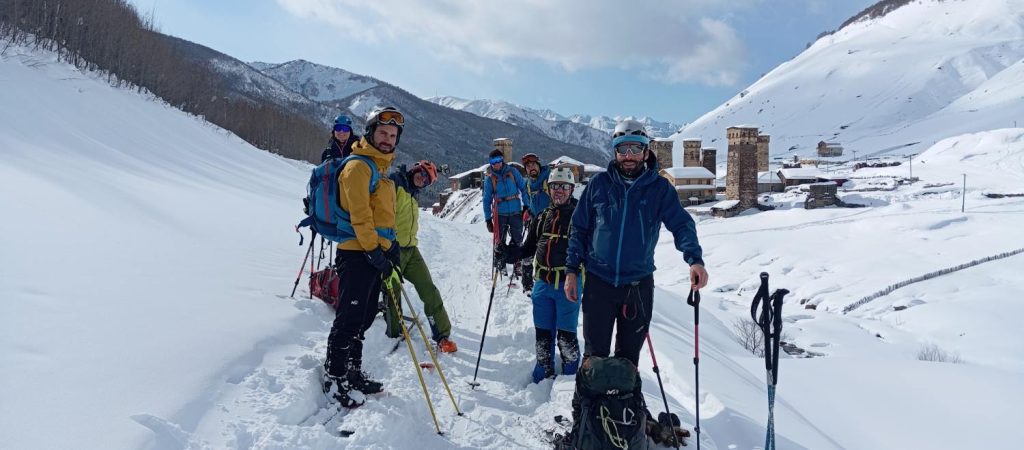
414 269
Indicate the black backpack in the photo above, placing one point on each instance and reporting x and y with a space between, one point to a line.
613 412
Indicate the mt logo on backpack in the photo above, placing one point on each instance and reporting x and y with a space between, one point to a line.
326 217
614 414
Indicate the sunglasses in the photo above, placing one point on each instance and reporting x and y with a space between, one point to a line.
531 158
391 118
560 187
342 128
497 159
630 148
424 177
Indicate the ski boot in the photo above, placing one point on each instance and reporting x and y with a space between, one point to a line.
447 345
358 380
339 389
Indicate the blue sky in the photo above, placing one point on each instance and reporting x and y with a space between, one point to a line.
670 60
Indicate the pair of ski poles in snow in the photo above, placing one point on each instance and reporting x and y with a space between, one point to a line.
394 289
770 323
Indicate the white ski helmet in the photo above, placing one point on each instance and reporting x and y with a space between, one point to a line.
561 175
630 130
388 115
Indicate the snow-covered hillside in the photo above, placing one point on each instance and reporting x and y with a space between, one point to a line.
896 84
320 83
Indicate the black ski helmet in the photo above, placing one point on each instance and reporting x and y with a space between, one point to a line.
388 115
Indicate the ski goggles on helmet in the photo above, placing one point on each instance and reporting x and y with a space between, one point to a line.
560 186
497 159
390 117
618 140
531 158
342 128
630 148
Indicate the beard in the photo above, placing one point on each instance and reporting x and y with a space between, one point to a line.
630 168
385 148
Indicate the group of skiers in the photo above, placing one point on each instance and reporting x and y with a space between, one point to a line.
596 252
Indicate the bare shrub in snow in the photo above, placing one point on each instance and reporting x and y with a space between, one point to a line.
932 352
750 335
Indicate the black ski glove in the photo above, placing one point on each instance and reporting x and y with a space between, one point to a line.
490 226
394 254
305 205
377 259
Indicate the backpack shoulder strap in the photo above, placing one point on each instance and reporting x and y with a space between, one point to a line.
494 181
374 174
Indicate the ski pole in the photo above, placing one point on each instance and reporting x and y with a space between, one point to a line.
389 289
309 254
487 317
668 414
430 348
694 300
770 323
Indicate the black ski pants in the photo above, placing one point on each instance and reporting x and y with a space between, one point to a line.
510 225
359 297
626 309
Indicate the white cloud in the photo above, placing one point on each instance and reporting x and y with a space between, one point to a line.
675 40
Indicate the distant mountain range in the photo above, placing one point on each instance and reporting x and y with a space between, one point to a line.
583 130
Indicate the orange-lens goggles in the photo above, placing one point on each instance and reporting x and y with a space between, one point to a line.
391 118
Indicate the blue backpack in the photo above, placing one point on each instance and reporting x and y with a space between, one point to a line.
326 216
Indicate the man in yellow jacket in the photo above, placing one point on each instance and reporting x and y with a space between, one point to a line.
414 268
368 198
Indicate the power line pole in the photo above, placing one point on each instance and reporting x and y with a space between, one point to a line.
963 195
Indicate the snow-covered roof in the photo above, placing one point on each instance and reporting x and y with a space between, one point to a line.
768 177
823 183
566 160
594 168
801 173
460 175
691 140
726 204
694 187
689 172
744 126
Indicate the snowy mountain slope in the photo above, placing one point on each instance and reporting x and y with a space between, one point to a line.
893 84
320 83
547 122
247 82
127 290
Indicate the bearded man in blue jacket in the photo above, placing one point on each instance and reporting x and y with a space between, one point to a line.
614 232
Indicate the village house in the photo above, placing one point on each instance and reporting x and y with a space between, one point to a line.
829 149
693 184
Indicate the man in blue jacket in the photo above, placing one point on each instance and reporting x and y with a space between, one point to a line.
537 199
614 231
503 208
